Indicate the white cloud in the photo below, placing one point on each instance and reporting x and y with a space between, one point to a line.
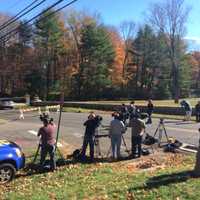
193 39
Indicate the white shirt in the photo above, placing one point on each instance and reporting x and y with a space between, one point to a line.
117 127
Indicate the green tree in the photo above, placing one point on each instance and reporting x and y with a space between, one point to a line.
25 33
97 55
185 76
152 64
170 18
146 45
48 34
20 50
162 81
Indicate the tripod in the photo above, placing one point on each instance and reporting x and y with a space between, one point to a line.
124 143
39 149
99 134
160 129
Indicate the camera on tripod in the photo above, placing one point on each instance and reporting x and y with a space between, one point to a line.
45 118
98 120
161 121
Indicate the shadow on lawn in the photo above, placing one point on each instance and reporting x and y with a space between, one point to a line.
34 168
164 180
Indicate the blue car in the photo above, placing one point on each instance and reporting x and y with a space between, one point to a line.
11 160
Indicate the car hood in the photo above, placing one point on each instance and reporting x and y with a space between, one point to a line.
8 144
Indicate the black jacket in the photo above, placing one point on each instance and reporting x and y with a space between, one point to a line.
91 125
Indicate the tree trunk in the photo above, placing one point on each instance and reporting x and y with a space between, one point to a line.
176 89
136 77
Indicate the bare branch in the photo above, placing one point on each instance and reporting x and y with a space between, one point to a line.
127 29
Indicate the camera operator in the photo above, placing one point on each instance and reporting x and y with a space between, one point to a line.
187 108
47 132
90 126
117 128
124 112
150 108
137 130
132 108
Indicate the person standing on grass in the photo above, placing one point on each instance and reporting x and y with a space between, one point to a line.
137 130
132 108
90 126
150 109
187 108
117 128
197 111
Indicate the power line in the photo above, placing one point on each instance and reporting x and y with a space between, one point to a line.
27 22
21 14
16 29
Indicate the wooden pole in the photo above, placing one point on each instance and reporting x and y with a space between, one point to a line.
60 117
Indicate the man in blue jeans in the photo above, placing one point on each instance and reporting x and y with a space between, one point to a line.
117 128
47 143
137 130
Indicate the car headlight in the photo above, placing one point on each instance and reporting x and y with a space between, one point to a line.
18 152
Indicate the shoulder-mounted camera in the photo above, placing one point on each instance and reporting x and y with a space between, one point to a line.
45 118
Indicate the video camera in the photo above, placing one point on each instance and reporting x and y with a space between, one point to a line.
98 120
45 118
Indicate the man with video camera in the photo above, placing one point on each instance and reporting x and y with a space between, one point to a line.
46 132
90 126
137 130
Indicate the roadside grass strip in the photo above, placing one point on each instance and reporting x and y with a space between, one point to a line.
161 177
45 110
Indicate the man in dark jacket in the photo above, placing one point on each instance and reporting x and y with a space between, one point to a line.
187 108
124 113
46 132
150 109
197 112
90 126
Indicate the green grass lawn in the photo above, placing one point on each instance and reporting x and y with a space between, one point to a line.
170 103
119 180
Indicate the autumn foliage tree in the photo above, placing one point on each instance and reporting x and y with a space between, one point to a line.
77 53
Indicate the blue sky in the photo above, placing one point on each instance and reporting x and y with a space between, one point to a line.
113 12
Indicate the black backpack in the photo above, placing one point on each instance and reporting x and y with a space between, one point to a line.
149 140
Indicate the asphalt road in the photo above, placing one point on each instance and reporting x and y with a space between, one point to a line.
24 131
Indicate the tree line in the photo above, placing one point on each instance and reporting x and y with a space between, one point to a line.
78 54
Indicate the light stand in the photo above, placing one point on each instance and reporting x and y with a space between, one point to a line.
160 129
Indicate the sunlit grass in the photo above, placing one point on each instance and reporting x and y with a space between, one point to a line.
107 181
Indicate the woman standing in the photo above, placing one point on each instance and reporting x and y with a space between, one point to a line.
150 109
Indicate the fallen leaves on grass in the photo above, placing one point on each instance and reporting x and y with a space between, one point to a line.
150 163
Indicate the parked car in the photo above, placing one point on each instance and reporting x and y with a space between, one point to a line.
11 160
36 99
6 103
